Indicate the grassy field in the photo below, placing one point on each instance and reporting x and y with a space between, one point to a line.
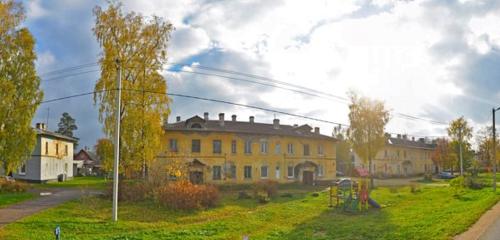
76 182
431 213
11 198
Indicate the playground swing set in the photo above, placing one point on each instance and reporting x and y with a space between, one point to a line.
351 196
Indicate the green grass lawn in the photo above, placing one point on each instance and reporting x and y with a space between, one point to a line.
432 213
11 198
83 182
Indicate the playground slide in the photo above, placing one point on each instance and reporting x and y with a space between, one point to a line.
373 203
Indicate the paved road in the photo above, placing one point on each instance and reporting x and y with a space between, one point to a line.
17 211
486 228
493 231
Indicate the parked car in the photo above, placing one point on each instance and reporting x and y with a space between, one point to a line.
445 175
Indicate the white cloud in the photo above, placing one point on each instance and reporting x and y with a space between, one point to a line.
35 10
187 41
45 60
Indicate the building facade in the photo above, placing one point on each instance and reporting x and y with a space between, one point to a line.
230 151
52 156
401 157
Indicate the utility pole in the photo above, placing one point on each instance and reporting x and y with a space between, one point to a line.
117 141
494 151
460 146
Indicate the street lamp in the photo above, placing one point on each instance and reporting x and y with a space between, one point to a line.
494 151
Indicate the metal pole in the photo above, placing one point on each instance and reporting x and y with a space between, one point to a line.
494 154
460 146
117 143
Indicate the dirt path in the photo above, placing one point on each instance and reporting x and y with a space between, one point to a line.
486 228
17 211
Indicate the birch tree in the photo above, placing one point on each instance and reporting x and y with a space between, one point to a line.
140 45
366 132
20 93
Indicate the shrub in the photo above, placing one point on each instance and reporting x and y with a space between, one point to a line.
244 195
414 188
315 194
12 186
458 185
184 195
267 187
131 191
286 195
428 177
263 199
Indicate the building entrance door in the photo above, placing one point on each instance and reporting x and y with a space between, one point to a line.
307 177
196 177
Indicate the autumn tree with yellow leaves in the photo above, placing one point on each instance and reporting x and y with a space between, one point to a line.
366 132
20 93
139 44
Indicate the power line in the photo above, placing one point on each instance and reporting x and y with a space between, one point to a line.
275 82
63 70
69 75
337 98
213 100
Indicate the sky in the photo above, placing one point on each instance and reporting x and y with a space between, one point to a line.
436 60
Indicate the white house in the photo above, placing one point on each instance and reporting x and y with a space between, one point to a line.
51 158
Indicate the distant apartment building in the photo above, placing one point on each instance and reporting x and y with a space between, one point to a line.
231 151
52 157
401 156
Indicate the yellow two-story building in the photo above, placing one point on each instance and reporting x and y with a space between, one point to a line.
230 151
402 156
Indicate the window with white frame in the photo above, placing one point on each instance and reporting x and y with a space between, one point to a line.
319 170
306 150
277 148
320 150
263 146
247 172
173 145
263 172
233 146
248 146
290 148
22 169
290 172
216 172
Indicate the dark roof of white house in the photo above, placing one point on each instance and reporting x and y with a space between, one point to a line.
48 133
198 124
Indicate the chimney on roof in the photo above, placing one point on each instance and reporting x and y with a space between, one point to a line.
413 139
316 130
251 118
233 117
405 136
399 136
276 123
205 116
178 119
41 126
221 119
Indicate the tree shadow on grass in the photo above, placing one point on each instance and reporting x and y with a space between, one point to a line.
336 224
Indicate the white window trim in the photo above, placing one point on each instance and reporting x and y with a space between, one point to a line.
21 167
267 172
293 173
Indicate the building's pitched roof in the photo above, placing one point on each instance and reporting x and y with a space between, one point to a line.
91 159
402 142
303 131
42 132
